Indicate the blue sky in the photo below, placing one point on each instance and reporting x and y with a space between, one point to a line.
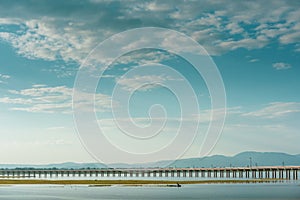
255 45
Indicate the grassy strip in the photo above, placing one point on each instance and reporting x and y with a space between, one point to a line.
126 182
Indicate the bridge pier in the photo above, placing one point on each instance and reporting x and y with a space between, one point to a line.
247 173
190 173
227 174
295 174
254 174
287 175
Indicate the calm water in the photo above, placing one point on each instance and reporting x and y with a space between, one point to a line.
212 191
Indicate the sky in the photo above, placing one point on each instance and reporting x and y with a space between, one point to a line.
254 48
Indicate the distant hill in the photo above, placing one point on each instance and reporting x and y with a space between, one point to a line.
239 160
67 165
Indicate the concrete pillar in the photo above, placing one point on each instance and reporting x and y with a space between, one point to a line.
288 175
202 173
172 173
261 174
241 174
215 174
227 173
274 175
208 174
160 173
178 173
253 173
280 174
190 173
166 173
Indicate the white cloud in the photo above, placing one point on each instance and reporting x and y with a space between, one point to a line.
144 57
221 26
275 110
207 116
254 60
142 82
38 85
234 28
58 99
247 43
22 101
44 39
281 66
3 78
8 21
291 35
158 7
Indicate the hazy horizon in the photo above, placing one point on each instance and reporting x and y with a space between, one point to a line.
96 162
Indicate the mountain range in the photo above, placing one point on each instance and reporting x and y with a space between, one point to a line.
240 160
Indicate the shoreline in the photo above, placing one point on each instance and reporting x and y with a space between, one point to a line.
99 183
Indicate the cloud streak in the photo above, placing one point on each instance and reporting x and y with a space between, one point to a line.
281 66
275 110
3 78
41 99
